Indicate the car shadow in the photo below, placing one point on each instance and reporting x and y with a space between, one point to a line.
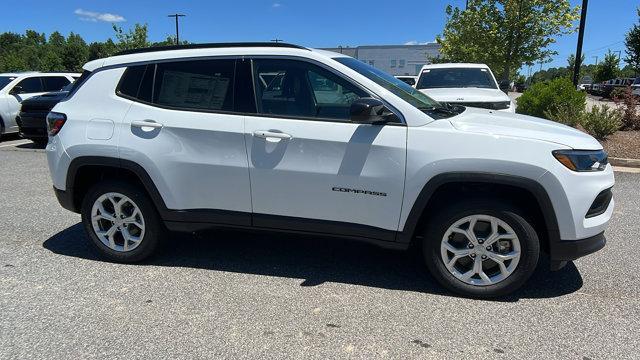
315 260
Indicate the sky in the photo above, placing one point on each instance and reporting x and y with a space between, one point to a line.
311 23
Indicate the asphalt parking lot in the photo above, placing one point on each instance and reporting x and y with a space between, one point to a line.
240 295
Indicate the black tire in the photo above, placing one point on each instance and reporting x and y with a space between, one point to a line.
154 228
529 246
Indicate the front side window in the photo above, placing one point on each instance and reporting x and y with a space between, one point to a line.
198 84
456 78
300 89
30 85
55 83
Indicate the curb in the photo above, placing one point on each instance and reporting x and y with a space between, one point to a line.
635 163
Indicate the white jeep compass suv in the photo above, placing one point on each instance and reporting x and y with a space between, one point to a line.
284 138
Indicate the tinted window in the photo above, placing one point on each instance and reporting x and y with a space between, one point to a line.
456 78
201 84
31 85
297 88
55 83
131 79
5 80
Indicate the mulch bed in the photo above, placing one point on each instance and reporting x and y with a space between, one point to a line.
623 144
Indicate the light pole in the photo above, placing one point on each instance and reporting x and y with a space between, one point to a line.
596 56
578 62
176 16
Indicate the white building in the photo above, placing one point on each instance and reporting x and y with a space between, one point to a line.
393 59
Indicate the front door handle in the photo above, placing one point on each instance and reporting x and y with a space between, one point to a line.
146 123
271 134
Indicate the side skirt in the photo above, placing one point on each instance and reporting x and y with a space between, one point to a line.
284 224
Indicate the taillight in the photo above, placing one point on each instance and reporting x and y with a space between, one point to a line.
55 121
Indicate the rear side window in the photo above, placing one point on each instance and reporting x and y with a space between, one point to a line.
131 80
197 84
31 85
55 83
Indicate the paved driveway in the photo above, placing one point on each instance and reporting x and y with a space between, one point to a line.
238 295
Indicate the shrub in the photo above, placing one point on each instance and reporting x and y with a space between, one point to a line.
550 96
629 103
602 121
567 114
617 94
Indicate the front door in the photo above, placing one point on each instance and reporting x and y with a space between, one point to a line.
311 168
30 87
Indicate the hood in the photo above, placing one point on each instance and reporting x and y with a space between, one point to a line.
462 95
522 126
44 102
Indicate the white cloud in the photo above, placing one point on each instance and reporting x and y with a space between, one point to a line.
415 42
276 5
93 16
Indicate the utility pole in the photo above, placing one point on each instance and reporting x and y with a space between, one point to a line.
596 56
578 62
176 16
276 40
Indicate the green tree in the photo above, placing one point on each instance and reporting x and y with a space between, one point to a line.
505 34
608 68
632 42
133 38
74 53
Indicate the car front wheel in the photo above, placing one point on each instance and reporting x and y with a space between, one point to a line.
481 248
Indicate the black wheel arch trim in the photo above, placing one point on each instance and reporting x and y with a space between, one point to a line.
536 189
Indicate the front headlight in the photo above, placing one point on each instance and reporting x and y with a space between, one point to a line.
582 160
501 105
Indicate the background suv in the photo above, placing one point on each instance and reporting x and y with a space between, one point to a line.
279 137
17 87
464 84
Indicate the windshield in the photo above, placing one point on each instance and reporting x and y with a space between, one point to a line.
398 87
5 80
456 78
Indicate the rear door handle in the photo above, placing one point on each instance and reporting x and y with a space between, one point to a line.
271 134
146 123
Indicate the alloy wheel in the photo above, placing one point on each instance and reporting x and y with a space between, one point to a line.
480 250
118 222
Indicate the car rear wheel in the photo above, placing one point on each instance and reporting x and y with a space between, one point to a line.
481 248
121 222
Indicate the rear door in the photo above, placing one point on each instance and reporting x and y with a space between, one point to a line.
311 168
182 129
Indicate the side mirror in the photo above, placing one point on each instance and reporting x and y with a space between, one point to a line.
16 90
505 85
370 111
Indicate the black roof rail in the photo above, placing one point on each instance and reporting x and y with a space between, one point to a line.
210 46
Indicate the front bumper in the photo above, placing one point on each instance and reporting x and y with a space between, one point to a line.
567 250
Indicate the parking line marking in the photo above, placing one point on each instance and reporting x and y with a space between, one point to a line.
17 144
